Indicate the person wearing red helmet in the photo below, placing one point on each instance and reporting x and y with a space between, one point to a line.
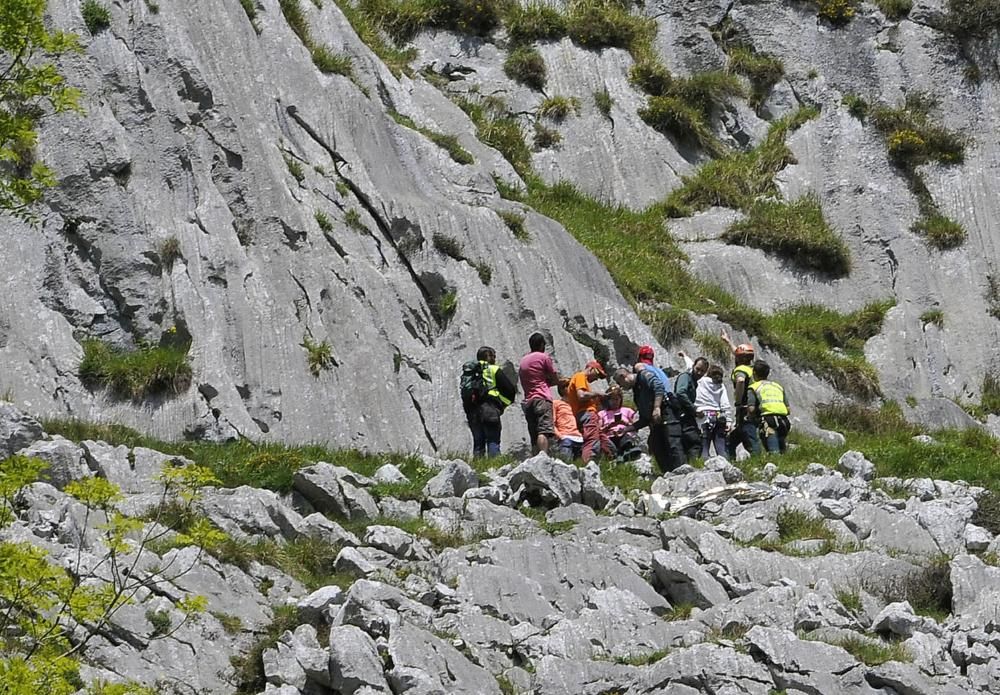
744 431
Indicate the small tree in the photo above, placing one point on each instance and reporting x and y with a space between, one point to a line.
30 87
41 602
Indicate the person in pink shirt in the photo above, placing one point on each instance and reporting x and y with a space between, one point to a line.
538 374
615 420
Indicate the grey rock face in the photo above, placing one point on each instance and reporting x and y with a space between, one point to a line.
65 460
684 581
326 490
17 430
354 661
245 512
546 480
453 480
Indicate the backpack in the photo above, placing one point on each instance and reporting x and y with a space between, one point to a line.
472 384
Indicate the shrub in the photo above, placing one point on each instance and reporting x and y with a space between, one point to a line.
296 19
498 129
603 102
604 23
329 62
934 316
449 246
987 514
352 218
295 169
534 21
651 76
738 179
485 272
324 223
476 17
764 71
558 107
706 91
869 650
837 12
250 9
674 116
972 17
137 374
96 16
940 232
445 307
515 223
526 65
895 9
546 137
319 356
990 399
856 106
671 326
367 28
169 251
912 138
714 348
795 231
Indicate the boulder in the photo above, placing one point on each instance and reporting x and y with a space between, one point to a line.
354 661
546 481
17 430
684 581
853 464
322 485
66 461
452 481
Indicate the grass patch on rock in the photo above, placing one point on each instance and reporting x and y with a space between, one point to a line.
795 231
135 374
869 651
763 70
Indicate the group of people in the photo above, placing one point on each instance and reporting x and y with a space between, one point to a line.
688 416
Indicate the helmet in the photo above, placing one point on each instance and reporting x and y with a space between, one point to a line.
744 349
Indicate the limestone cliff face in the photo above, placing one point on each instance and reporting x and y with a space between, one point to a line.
192 119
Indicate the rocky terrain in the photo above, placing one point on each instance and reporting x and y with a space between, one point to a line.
220 189
537 578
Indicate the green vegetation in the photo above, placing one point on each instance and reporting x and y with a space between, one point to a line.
682 107
870 651
987 512
651 76
856 106
96 16
295 168
533 21
990 399
352 218
895 9
368 30
448 143
30 87
851 600
558 107
603 102
319 355
941 232
515 223
169 251
934 316
672 325
912 139
642 659
763 70
231 624
739 178
445 306
526 65
329 62
972 18
484 270
250 8
449 246
545 137
135 374
679 611
498 129
52 609
324 223
648 267
797 525
714 348
837 12
607 23
249 675
795 231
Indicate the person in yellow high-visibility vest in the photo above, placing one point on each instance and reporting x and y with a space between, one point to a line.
771 408
484 416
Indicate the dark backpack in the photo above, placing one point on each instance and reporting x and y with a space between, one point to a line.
472 384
